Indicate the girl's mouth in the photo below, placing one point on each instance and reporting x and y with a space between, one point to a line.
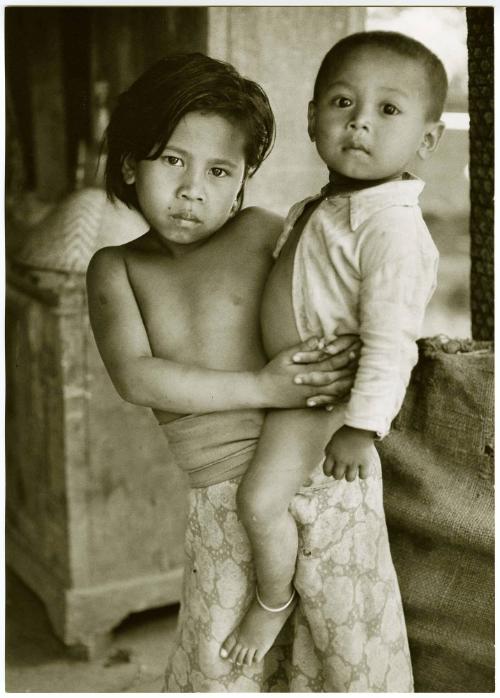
185 216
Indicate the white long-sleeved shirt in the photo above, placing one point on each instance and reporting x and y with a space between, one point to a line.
366 264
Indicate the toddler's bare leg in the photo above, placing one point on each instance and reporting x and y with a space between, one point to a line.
290 445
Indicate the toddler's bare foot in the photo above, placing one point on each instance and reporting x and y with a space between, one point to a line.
255 635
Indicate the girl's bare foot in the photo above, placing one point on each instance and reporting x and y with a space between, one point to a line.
255 635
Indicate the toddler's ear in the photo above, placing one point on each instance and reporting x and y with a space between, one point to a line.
128 170
430 140
311 121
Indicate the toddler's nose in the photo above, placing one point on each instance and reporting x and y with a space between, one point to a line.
361 118
358 124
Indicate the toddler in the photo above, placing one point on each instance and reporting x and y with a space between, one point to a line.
357 258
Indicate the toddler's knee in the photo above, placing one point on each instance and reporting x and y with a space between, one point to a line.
256 509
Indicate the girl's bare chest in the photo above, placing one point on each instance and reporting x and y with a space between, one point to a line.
193 302
197 282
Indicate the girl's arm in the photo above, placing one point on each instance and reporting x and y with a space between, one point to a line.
170 386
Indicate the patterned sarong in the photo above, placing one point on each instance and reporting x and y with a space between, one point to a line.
347 633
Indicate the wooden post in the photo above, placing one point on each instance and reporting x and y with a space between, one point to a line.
480 46
47 102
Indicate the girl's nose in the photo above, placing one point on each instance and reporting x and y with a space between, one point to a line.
191 188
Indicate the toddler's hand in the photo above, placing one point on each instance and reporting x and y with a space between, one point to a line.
348 453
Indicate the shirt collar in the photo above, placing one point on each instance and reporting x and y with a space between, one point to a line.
366 202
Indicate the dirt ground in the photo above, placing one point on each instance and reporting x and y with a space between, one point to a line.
37 662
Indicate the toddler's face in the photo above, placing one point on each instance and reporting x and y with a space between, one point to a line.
190 191
370 118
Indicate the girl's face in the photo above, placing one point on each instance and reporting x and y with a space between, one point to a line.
370 121
190 191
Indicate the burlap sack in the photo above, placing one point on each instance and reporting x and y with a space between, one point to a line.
438 490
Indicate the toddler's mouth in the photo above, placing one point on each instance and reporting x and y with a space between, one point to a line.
357 147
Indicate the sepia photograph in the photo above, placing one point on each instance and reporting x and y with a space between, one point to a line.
227 225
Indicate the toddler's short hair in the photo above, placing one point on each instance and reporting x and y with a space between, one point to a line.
148 112
397 43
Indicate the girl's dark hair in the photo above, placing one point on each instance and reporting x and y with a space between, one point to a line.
148 112
437 82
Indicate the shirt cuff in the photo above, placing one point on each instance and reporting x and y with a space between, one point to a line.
380 431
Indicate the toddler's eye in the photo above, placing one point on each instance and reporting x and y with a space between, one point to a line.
342 102
391 109
219 172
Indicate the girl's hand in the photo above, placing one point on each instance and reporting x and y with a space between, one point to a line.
348 453
344 354
343 348
293 378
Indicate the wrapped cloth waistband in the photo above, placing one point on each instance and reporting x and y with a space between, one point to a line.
215 446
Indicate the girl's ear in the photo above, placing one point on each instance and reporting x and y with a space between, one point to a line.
237 203
430 140
128 170
311 121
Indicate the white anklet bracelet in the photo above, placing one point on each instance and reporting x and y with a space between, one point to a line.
273 610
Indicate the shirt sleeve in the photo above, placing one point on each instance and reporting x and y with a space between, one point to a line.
398 277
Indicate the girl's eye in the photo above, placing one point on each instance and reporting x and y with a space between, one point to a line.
218 172
172 160
391 109
342 102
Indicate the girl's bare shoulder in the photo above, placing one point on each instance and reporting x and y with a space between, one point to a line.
256 214
113 259
261 222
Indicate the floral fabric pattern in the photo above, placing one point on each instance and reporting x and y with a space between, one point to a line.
346 634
